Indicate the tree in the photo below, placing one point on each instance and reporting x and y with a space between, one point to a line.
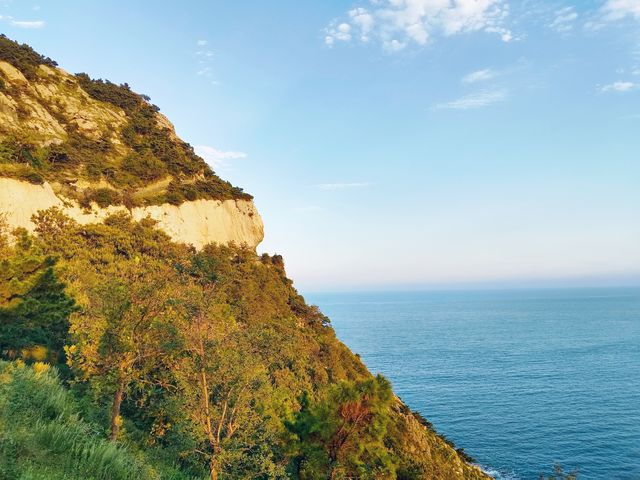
34 308
222 386
123 328
341 434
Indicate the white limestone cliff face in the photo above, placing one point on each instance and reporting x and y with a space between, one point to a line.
197 223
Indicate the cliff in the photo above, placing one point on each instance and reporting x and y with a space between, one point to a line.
92 148
197 222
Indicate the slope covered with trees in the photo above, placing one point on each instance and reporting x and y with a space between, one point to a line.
209 360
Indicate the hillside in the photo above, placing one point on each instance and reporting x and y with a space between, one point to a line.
93 148
131 354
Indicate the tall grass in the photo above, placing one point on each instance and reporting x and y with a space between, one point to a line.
43 437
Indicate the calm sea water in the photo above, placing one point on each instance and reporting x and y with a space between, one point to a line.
520 379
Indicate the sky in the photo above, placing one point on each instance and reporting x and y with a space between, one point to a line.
394 144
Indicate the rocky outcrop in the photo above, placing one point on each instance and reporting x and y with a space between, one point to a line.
40 109
197 223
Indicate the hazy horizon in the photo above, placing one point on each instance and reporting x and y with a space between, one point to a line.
409 144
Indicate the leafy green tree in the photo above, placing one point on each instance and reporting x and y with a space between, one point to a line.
222 388
34 308
122 330
342 434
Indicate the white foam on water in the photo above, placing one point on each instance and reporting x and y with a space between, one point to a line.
498 475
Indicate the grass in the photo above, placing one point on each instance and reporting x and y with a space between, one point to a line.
42 435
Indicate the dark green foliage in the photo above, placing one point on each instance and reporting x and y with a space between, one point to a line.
34 309
102 196
105 91
23 57
144 167
342 434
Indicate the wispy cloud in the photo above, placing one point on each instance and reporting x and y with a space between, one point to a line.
29 24
341 186
204 57
618 9
564 20
614 10
475 100
395 24
217 158
619 87
479 76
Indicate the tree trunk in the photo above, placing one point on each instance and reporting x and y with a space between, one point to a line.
115 410
213 466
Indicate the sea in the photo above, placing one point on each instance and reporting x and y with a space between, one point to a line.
521 379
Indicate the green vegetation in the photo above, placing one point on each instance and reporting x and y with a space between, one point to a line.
23 57
43 437
156 150
34 308
210 361
343 432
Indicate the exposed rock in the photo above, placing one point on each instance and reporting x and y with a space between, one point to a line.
54 97
197 223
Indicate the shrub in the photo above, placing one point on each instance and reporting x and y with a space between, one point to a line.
33 177
102 196
145 167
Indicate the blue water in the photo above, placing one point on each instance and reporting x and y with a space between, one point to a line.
520 379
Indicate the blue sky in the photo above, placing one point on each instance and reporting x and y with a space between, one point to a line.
394 143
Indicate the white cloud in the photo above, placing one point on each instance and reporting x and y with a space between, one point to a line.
618 9
205 71
204 58
479 76
339 31
341 186
474 100
28 24
619 87
363 21
564 20
217 158
396 24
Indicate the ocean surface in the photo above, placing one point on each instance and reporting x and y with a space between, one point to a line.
521 379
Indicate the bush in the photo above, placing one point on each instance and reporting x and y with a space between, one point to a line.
33 177
144 167
102 196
